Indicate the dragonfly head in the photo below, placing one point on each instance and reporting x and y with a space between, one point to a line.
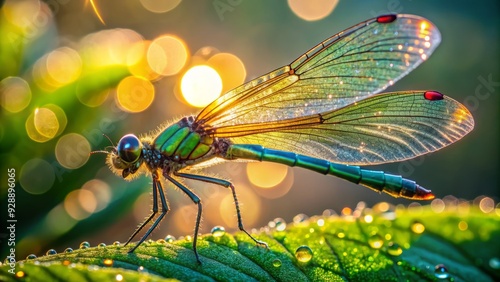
126 156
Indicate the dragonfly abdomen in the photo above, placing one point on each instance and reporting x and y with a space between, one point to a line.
393 185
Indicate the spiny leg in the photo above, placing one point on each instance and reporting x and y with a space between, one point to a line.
197 201
229 185
164 209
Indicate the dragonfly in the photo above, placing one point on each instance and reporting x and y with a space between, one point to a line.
323 112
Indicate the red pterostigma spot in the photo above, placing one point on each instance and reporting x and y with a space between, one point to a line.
386 18
433 96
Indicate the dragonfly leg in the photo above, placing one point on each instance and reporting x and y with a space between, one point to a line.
164 209
229 185
195 200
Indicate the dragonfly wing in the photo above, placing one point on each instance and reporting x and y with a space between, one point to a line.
345 68
383 128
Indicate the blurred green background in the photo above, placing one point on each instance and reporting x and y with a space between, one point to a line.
63 197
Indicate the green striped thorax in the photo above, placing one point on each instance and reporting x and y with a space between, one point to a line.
174 147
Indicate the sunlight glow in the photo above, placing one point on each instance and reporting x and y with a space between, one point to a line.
200 85
230 68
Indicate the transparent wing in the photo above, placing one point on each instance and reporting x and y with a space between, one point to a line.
383 128
345 68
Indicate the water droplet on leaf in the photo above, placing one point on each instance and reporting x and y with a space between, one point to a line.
376 241
417 227
169 238
218 231
31 256
68 250
84 245
340 233
51 252
394 249
280 224
101 245
441 272
108 262
299 218
303 254
277 263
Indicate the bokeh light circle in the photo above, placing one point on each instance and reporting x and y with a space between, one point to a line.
312 10
101 191
15 94
200 85
60 115
137 61
160 6
167 55
230 68
266 175
135 94
72 150
32 132
64 65
36 176
250 205
46 123
80 204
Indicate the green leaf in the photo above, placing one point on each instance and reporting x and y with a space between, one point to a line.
371 244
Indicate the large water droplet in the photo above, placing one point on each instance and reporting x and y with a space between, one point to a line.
84 245
218 231
101 245
116 243
31 256
277 263
169 238
68 250
303 254
441 272
376 241
107 262
51 252
394 249
417 227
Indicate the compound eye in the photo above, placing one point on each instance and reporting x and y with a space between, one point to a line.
129 148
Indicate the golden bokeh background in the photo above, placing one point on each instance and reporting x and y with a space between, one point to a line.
75 70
